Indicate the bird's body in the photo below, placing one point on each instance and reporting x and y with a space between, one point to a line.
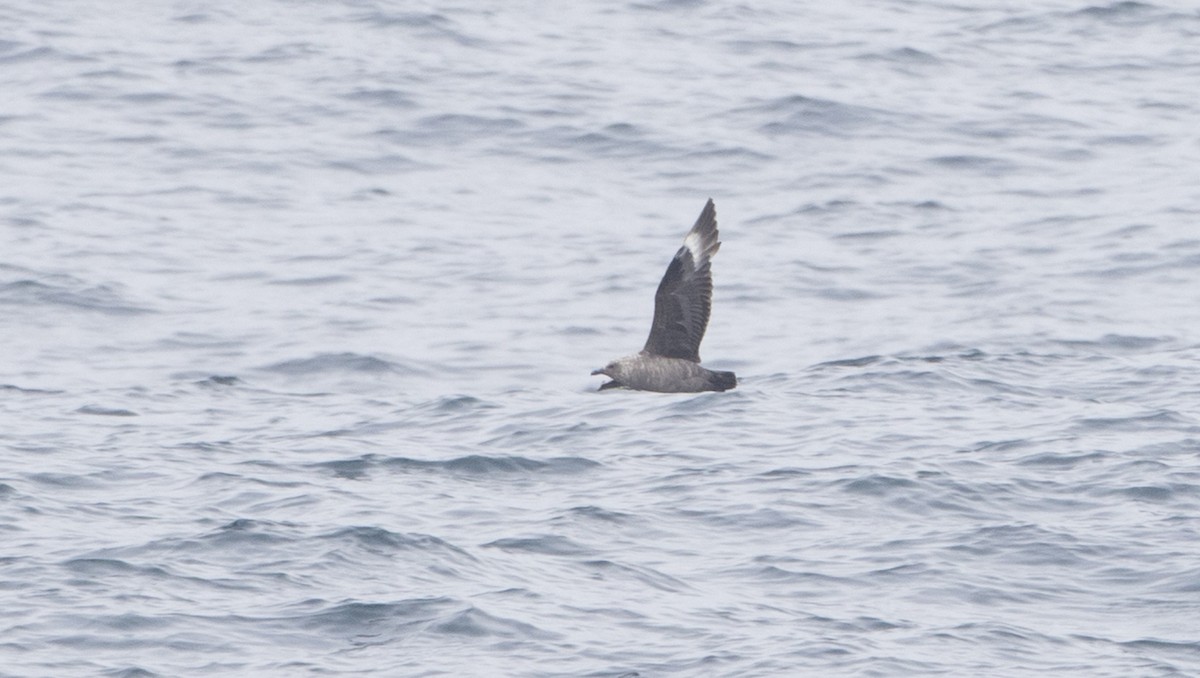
647 372
670 360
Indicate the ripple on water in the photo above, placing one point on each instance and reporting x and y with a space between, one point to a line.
338 363
380 541
106 411
475 465
549 545
67 292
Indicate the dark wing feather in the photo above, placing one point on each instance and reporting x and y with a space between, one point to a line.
684 298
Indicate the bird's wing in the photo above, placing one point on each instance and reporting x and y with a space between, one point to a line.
684 298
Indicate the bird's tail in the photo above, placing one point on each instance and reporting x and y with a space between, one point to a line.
722 381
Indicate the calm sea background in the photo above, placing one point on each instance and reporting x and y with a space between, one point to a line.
299 301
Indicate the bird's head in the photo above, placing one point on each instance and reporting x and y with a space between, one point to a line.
608 370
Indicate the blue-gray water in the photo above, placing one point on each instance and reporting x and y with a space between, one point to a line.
298 302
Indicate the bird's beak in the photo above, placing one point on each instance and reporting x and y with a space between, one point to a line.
599 371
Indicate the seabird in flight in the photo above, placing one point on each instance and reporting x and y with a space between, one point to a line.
670 360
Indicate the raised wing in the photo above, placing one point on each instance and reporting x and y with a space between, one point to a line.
684 298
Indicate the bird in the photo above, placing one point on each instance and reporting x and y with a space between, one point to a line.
670 360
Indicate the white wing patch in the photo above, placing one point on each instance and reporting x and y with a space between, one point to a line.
693 242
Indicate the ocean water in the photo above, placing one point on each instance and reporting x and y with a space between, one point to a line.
299 301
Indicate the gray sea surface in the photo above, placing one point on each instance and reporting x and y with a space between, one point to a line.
299 301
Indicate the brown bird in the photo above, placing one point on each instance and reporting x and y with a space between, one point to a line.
670 360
